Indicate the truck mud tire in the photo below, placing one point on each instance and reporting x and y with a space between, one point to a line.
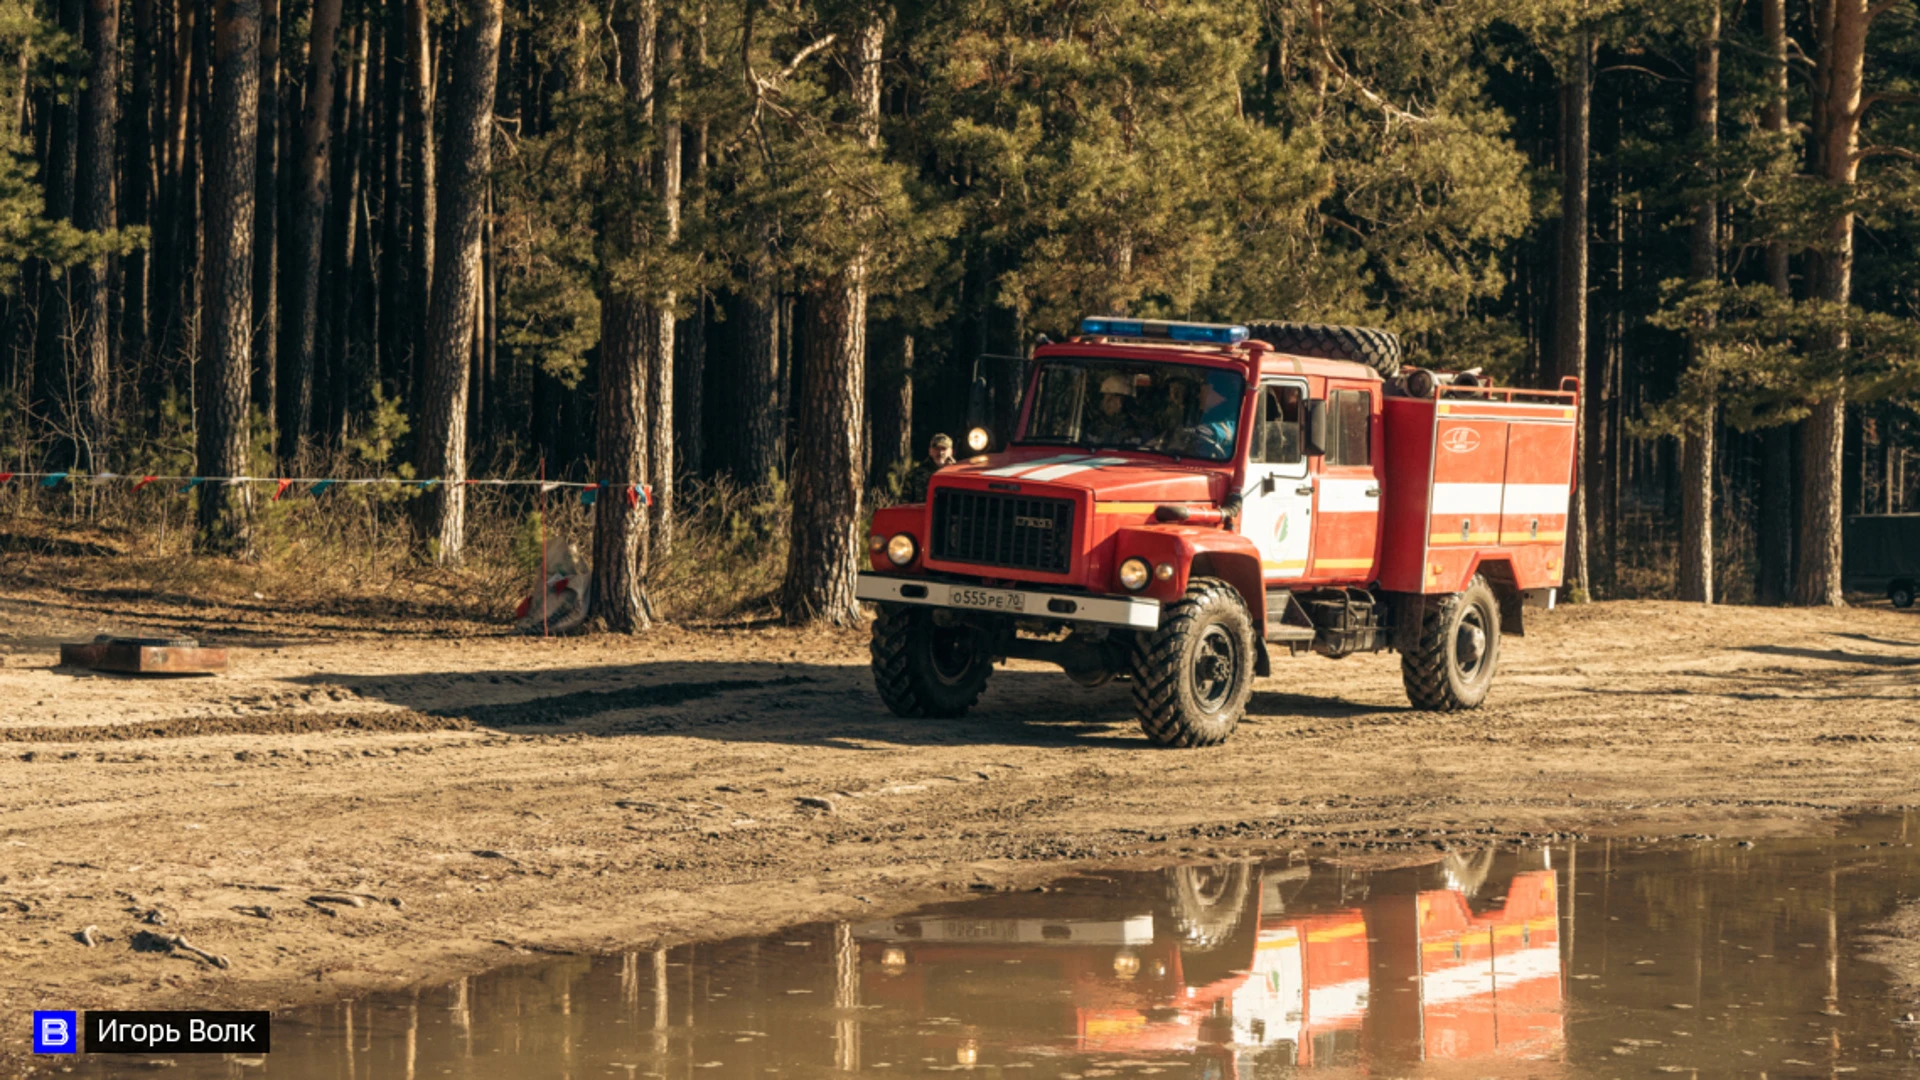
1900 593
1452 666
1207 903
926 670
1193 675
1378 349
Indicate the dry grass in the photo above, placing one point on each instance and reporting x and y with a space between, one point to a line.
351 550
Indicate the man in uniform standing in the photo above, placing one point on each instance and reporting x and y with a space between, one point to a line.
939 456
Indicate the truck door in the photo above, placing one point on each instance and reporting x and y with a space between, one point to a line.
1278 498
1346 530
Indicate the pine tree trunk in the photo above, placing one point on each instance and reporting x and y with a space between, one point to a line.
620 530
690 382
899 442
266 220
234 133
1697 449
137 185
394 326
338 268
1570 294
421 175
94 336
440 513
829 469
660 365
630 328
763 453
1776 469
309 223
53 376
1822 445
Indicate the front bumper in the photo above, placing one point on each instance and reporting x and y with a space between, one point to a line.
1137 613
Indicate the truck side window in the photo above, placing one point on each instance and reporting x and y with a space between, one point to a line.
1352 435
1278 441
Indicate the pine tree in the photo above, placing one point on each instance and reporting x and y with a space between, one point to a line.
233 123
1697 437
440 512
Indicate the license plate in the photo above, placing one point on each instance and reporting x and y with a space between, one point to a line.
987 599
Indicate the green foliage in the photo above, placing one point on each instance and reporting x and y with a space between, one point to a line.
1768 359
374 442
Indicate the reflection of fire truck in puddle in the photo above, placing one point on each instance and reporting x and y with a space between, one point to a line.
1235 964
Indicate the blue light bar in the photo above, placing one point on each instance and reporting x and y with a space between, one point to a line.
1204 333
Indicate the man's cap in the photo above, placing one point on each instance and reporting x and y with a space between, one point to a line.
1117 384
941 441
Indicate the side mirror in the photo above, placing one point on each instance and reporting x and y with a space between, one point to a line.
1317 428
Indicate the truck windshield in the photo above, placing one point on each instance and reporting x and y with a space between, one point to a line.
1180 409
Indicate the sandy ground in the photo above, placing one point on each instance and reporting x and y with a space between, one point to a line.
470 800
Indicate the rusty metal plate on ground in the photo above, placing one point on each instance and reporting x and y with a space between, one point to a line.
145 656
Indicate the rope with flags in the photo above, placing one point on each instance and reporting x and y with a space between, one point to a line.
636 495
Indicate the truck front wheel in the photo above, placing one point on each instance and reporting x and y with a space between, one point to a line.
923 669
1452 666
1192 676
1901 594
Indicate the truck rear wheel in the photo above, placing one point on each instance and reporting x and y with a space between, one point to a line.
1901 593
1192 676
1378 349
1452 666
923 669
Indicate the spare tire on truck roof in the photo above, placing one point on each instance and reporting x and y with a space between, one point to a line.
1376 348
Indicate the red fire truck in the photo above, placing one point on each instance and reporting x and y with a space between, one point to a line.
1183 499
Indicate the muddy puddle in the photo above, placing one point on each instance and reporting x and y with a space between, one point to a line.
1603 958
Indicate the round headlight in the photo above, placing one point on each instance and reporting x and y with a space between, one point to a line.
1134 574
977 439
1126 963
1164 571
900 549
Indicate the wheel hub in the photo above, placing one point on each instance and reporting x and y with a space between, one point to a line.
1213 668
1471 644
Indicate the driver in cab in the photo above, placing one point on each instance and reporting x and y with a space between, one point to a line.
1114 422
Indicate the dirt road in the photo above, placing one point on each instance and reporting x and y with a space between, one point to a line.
466 800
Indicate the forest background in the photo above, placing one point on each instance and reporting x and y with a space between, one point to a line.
751 253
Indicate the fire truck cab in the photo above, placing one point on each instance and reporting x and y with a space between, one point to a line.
1181 500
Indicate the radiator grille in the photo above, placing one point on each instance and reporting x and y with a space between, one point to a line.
1015 531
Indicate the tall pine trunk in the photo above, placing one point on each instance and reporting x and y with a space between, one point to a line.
337 264
94 332
1776 443
440 513
660 365
1696 471
137 185
309 222
1570 286
418 136
690 382
232 143
630 327
763 453
1842 36
53 375
829 467
266 219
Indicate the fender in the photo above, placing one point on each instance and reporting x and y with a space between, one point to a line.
1195 551
890 521
1500 576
